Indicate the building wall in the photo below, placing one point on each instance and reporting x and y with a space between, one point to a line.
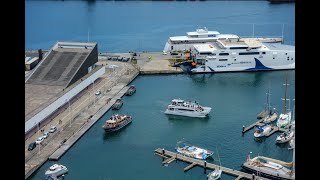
83 70
39 117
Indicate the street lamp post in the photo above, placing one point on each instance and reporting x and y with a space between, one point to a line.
94 98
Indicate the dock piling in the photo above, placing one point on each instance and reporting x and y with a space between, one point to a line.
205 167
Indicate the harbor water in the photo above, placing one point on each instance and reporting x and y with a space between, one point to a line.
235 98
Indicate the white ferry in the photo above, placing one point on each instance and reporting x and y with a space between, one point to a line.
241 55
203 35
187 108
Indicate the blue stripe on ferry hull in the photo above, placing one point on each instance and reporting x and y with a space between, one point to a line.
210 69
259 66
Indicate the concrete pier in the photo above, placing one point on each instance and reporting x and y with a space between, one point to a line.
259 123
196 162
86 110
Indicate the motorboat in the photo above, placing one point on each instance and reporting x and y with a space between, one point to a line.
216 174
285 137
193 151
131 90
187 108
269 168
118 104
116 122
262 130
56 170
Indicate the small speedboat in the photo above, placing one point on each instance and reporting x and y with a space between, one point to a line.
214 175
56 170
262 130
285 137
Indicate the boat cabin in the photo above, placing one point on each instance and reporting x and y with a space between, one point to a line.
53 167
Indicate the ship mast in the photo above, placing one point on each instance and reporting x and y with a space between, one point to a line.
285 95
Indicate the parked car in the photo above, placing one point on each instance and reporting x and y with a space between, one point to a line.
52 129
98 92
39 140
45 135
32 146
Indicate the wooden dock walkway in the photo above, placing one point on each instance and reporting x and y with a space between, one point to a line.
259 123
197 162
65 147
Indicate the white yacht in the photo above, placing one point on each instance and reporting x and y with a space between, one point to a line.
187 108
203 35
56 170
270 168
241 54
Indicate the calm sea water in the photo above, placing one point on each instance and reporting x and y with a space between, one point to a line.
236 98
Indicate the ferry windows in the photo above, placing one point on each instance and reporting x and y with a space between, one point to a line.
291 58
248 53
238 47
171 109
205 53
171 47
263 52
223 54
223 59
211 35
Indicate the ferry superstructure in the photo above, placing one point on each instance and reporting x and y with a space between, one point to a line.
241 55
187 108
203 35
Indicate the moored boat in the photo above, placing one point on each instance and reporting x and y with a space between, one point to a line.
116 122
269 168
187 108
262 130
193 151
118 104
285 137
131 90
56 170
285 118
216 174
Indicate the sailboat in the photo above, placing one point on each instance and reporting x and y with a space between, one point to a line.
285 117
216 174
271 114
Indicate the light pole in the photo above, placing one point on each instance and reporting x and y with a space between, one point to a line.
94 99
69 111
39 137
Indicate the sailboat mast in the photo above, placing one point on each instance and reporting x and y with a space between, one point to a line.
285 95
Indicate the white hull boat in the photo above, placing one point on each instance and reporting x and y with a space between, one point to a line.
56 170
187 108
285 137
262 131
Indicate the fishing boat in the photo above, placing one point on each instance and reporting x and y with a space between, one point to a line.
116 122
271 114
285 137
56 170
262 130
270 168
187 108
216 174
193 151
118 104
131 90
285 117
